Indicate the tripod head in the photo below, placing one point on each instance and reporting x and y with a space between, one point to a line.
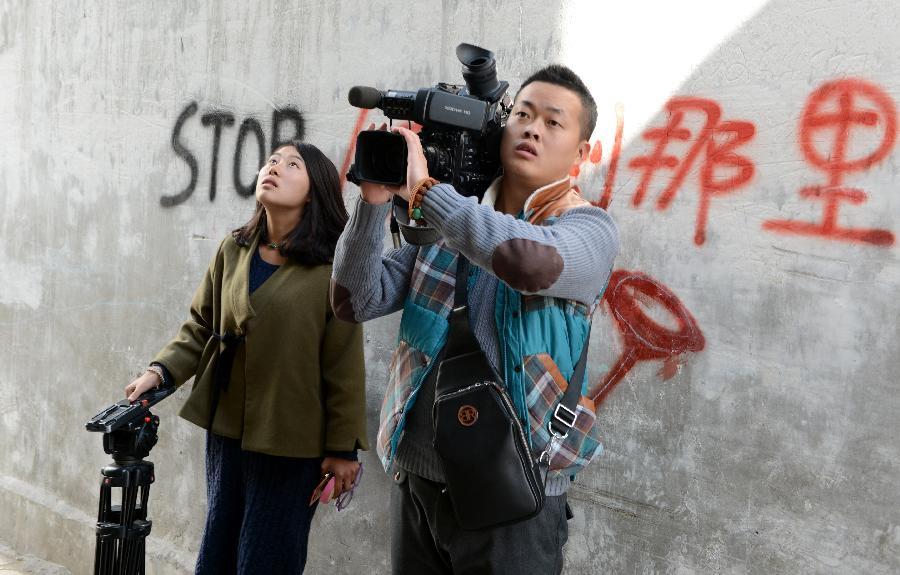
129 429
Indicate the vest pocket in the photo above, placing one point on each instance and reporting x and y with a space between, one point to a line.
407 365
545 386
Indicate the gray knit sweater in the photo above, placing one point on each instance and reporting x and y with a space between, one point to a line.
586 240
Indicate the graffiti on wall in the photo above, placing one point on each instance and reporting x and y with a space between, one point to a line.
696 146
846 127
250 134
630 293
714 146
835 114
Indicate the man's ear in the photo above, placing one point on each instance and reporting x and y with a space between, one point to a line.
584 148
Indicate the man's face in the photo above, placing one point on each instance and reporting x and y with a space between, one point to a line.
542 139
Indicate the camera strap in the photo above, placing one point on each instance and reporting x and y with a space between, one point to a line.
416 235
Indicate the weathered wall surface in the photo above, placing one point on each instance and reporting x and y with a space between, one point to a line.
744 361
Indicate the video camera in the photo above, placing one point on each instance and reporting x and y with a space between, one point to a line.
461 131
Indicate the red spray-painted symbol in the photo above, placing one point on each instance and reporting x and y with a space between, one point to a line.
614 160
833 108
644 339
596 156
351 145
717 141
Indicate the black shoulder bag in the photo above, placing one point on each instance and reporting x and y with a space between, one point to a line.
492 477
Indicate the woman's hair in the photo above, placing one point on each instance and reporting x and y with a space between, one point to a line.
313 239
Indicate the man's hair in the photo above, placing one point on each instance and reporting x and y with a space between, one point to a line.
563 76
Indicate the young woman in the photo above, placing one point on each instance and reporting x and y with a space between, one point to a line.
279 380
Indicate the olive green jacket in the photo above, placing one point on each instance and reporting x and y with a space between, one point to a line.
297 384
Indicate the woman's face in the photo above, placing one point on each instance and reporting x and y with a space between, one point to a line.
283 181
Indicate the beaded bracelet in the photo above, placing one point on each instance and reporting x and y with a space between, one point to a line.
159 373
417 195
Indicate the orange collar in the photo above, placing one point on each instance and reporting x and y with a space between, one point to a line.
548 201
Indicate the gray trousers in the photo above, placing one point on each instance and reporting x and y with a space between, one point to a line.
426 538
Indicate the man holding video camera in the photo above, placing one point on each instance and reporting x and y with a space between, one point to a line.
540 258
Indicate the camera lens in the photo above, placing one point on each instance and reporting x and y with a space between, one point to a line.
381 157
387 159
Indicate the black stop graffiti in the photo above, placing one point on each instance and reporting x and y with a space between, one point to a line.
221 122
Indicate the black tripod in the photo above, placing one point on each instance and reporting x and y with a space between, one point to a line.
129 433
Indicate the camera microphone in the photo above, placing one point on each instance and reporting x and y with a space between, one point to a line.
364 97
396 104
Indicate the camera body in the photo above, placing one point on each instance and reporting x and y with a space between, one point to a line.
461 131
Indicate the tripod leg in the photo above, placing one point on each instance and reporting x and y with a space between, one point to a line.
129 492
99 545
106 523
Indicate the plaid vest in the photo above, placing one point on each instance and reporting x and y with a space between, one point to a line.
540 339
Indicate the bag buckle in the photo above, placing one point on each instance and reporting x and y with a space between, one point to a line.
544 457
564 419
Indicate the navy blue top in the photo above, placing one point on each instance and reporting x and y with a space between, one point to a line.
260 271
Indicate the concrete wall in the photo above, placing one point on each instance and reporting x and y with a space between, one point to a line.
745 362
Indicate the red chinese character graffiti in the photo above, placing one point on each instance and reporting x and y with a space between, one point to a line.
614 159
596 155
644 339
833 108
717 141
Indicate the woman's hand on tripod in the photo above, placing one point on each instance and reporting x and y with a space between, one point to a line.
344 471
141 385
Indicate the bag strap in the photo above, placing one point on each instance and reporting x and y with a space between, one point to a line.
564 415
462 347
461 340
